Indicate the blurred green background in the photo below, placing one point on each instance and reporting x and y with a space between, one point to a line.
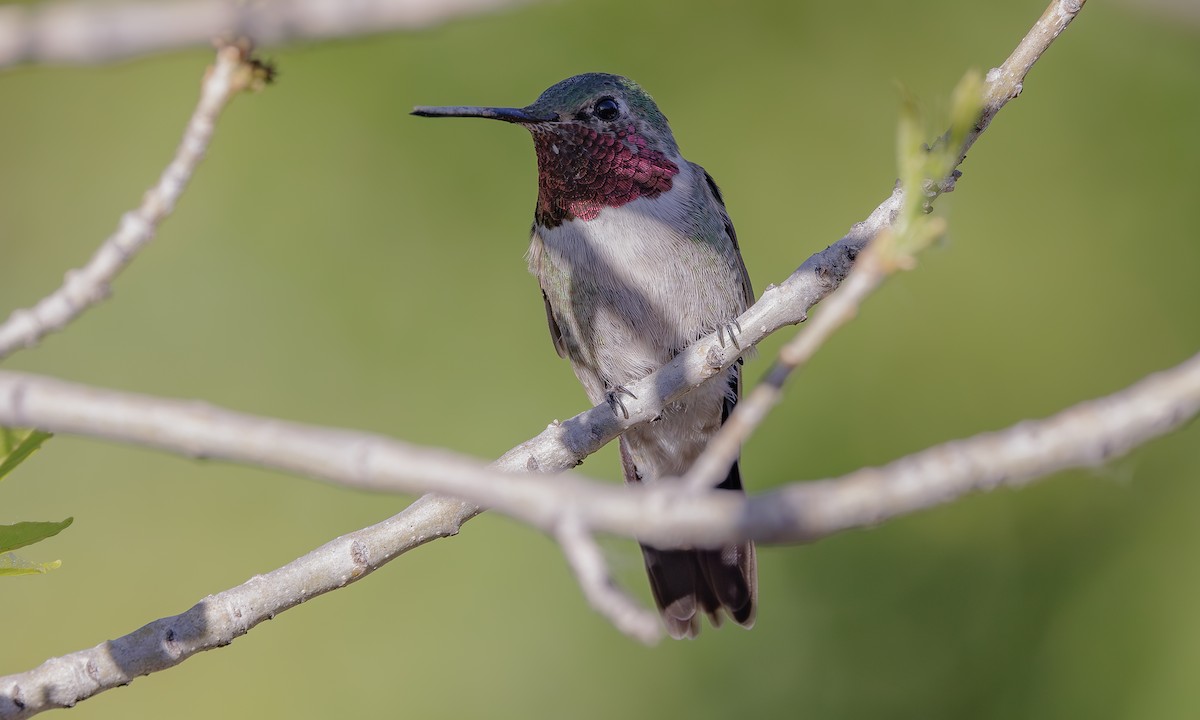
340 262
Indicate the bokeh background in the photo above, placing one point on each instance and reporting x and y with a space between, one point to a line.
340 262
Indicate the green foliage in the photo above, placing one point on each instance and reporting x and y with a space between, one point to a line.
13 564
925 170
17 448
966 105
18 535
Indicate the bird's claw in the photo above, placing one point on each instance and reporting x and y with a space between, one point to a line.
732 329
614 399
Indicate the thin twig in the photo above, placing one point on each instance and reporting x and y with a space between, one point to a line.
84 32
1003 84
1006 82
603 593
91 284
722 450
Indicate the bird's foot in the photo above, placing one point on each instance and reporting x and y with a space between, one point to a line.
730 330
614 399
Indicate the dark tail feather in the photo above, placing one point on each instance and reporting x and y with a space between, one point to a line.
732 572
732 575
686 583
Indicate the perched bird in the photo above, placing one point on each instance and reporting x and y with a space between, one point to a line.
637 259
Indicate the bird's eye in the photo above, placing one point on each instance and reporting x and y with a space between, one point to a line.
607 109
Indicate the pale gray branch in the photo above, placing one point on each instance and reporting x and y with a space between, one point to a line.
85 32
1003 84
90 284
1007 81
661 514
714 462
1085 435
219 619
603 593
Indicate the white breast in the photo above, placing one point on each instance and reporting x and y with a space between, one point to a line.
638 283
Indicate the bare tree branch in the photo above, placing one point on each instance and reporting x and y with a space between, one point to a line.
1085 435
1007 81
605 596
219 619
82 32
660 514
91 284
723 449
1003 84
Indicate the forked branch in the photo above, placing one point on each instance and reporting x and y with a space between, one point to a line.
233 72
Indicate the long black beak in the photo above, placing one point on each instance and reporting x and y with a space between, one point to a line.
512 115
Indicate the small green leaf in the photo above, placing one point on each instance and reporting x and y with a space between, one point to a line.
22 450
11 564
21 534
966 106
910 149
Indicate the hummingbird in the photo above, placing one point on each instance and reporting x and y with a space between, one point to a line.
637 259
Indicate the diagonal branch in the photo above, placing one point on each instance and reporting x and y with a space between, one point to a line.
1085 435
233 72
82 32
219 619
1003 84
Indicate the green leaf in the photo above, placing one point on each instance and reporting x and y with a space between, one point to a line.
910 148
11 564
966 106
22 450
27 533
